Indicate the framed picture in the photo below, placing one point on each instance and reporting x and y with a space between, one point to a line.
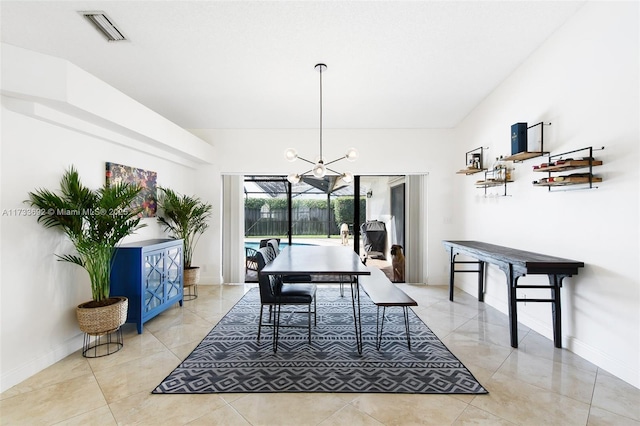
148 197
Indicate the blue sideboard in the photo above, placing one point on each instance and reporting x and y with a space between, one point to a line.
149 274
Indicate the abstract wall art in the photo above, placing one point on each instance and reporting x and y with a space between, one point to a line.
147 198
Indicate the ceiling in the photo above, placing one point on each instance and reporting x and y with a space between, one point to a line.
250 65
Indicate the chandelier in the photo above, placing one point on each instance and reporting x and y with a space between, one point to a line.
320 168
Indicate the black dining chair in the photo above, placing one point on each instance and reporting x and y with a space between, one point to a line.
274 294
298 278
250 260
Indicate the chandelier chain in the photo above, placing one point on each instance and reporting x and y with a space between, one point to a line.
321 158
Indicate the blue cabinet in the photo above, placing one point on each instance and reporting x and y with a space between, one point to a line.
149 274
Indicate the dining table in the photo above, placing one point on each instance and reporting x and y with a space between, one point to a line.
338 261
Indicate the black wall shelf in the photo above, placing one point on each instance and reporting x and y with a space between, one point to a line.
559 163
493 179
474 160
526 155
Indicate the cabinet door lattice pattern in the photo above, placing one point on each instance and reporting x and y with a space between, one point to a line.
173 263
153 288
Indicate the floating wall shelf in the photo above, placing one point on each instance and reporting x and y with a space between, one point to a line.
474 160
526 155
559 163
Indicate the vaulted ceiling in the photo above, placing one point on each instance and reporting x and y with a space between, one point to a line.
248 65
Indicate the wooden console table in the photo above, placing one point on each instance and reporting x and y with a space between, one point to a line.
515 264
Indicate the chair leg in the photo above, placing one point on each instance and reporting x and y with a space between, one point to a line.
309 319
260 322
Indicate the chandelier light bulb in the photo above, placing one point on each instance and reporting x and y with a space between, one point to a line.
347 177
352 154
291 154
319 170
293 178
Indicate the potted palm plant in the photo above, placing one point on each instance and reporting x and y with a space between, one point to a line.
95 221
184 217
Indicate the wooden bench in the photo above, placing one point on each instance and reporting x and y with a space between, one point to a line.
385 294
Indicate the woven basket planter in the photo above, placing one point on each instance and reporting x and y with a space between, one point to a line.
101 320
191 276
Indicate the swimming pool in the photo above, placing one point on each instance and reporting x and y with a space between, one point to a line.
256 244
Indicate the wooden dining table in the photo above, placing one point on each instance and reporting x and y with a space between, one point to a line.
324 260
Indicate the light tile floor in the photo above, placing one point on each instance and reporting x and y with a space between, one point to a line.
534 384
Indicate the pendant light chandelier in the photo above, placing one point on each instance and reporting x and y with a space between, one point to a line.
320 168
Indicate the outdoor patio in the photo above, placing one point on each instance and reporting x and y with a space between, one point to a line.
382 264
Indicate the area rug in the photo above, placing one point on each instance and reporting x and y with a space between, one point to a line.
230 359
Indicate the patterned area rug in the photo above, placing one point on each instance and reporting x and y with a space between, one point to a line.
230 359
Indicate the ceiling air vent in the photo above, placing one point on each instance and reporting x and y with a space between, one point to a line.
102 22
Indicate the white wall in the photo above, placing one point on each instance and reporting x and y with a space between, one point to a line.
379 205
584 80
40 139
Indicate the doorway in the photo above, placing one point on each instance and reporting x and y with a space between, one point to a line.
397 212
385 221
310 212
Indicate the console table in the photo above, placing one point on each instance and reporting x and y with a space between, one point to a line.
149 273
515 264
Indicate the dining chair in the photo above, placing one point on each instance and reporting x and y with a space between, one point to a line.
274 294
250 260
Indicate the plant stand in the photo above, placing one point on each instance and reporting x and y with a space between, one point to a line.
102 344
190 292
190 283
102 327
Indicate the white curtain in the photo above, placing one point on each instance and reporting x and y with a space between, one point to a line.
232 229
415 226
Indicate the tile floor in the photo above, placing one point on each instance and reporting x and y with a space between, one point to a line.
534 384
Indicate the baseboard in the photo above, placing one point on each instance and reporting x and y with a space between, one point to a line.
605 361
206 278
18 375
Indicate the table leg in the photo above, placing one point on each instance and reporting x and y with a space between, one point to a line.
355 300
556 283
480 281
452 270
406 326
513 307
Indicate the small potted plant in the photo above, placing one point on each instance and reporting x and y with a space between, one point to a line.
95 221
184 217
